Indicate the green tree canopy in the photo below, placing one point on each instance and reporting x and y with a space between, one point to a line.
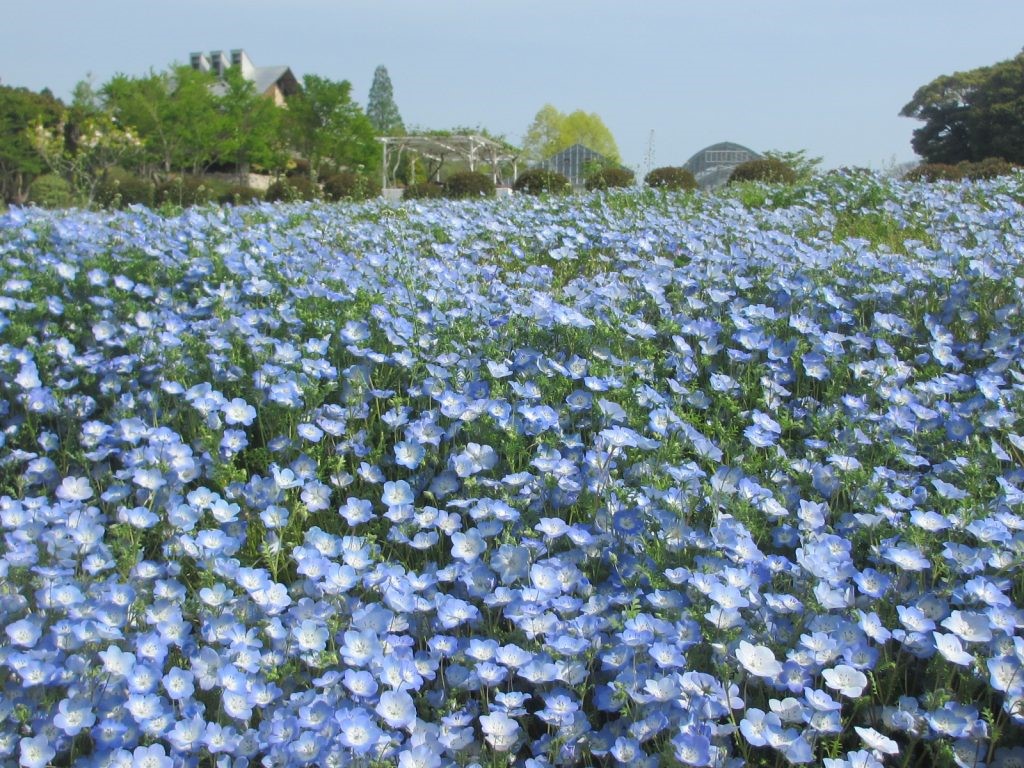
970 116
329 129
552 131
20 163
174 113
380 105
249 126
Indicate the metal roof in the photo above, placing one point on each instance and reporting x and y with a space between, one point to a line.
713 165
262 78
265 78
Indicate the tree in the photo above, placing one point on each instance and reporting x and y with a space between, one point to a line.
248 126
970 116
380 105
82 151
543 137
804 166
174 113
552 131
20 163
330 130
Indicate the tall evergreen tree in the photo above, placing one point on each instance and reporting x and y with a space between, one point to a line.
381 107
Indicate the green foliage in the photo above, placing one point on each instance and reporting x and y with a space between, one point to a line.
970 116
20 109
933 172
120 188
538 181
292 189
989 168
469 184
184 191
767 169
552 131
50 191
123 190
176 115
671 177
328 129
346 185
381 109
235 194
249 131
427 190
83 147
610 178
805 167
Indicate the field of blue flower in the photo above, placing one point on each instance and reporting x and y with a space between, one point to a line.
704 480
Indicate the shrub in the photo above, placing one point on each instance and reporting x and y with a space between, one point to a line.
120 188
933 172
346 185
237 194
989 168
423 191
292 189
299 168
50 191
609 178
670 177
184 191
469 184
537 181
767 169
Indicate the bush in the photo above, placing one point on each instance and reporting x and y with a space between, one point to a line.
426 190
933 172
185 191
538 181
120 188
989 168
299 168
237 194
292 189
766 169
609 178
670 177
469 184
50 191
346 185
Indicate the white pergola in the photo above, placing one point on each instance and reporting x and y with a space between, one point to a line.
472 149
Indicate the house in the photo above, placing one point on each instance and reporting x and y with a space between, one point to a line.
713 165
575 163
277 82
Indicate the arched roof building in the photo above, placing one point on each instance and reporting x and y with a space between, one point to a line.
713 165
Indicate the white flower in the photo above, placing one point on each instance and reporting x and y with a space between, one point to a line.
500 730
877 741
951 649
758 660
850 682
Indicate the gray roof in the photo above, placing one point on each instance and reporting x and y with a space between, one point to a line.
713 165
264 78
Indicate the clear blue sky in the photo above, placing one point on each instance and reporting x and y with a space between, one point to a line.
828 76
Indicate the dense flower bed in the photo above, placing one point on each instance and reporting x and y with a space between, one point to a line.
628 479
